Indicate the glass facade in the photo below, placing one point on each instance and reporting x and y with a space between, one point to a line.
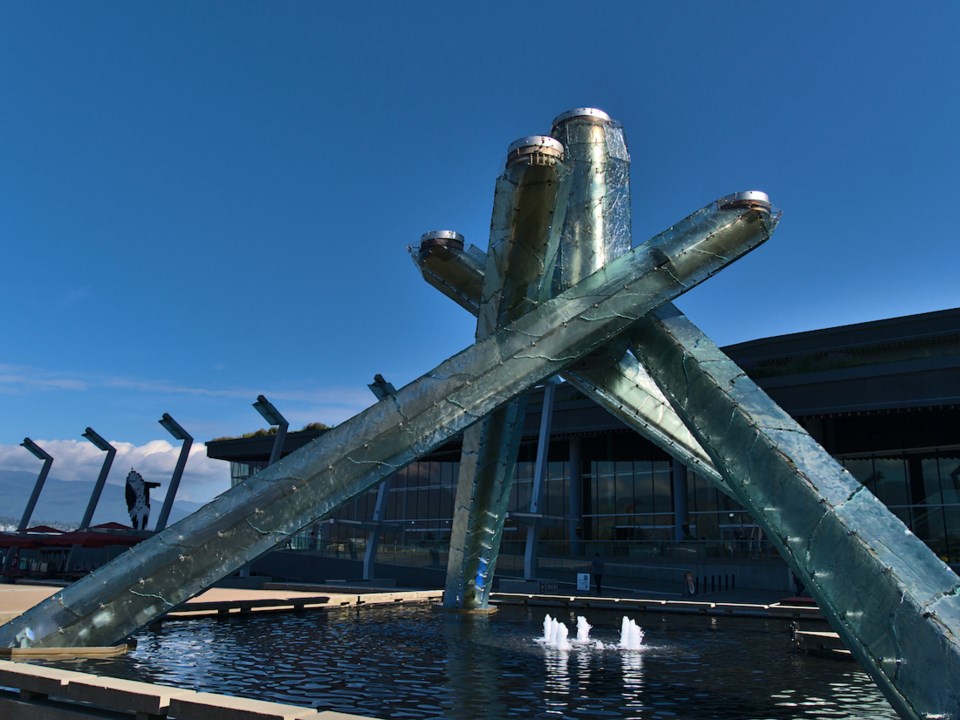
923 489
626 509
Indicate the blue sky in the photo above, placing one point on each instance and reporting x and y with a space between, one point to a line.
201 202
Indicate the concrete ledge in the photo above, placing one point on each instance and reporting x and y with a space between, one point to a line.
209 706
125 695
50 694
12 708
519 586
36 679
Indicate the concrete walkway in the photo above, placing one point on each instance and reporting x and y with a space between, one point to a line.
18 598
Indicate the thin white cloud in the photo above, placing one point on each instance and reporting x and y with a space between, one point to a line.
14 375
17 379
75 460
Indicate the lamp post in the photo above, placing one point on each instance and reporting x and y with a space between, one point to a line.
173 427
273 416
40 454
111 452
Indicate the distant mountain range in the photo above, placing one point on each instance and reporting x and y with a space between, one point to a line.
62 504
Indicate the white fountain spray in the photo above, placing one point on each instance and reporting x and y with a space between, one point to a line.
583 629
631 636
555 634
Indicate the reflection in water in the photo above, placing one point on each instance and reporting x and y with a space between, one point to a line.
632 662
556 692
422 663
473 668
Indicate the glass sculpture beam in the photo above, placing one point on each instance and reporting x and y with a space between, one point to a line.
523 207
622 387
592 227
251 518
895 604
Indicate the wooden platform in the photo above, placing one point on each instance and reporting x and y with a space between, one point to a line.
35 692
60 653
822 644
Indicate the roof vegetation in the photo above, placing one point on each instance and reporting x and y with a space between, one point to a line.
272 430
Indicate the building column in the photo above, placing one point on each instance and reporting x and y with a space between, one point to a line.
575 497
680 514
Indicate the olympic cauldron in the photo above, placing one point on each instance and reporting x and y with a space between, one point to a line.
561 291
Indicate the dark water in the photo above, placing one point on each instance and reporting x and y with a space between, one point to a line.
422 663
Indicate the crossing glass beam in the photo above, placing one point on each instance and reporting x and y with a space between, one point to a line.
894 603
172 566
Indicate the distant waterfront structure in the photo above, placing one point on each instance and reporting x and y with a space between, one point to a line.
882 397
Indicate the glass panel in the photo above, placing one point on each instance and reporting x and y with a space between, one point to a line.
950 480
952 553
524 489
603 528
626 501
891 481
906 516
433 501
707 527
928 525
862 470
392 508
643 484
446 502
707 496
931 482
554 497
662 488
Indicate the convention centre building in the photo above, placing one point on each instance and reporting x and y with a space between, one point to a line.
882 397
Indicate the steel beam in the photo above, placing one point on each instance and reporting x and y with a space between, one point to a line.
539 479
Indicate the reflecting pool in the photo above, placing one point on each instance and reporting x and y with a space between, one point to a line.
420 662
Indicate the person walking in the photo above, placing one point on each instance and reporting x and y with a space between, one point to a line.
597 567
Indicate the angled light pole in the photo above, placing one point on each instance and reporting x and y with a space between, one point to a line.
273 416
40 454
111 452
173 427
